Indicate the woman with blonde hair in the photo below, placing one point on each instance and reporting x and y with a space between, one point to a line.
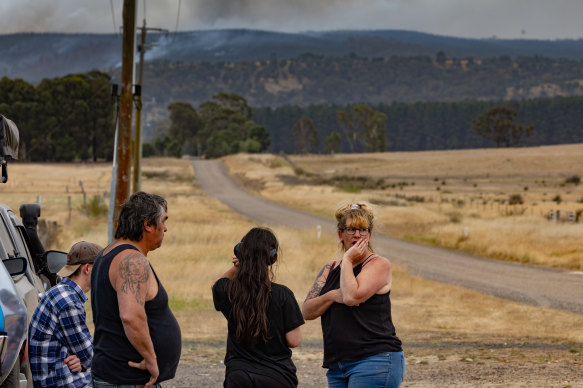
263 317
351 295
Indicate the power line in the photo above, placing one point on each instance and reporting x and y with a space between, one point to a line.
137 151
177 17
113 17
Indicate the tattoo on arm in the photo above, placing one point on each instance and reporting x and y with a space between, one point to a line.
318 284
134 272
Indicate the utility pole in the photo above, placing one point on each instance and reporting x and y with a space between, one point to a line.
137 175
125 116
110 211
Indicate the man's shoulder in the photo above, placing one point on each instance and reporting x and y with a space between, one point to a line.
54 300
123 252
58 291
62 293
128 252
130 262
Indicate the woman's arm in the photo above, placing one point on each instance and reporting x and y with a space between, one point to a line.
374 277
230 274
315 304
294 337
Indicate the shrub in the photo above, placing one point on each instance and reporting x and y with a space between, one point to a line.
455 217
148 150
557 198
95 208
358 183
575 180
412 198
299 171
515 199
277 162
250 146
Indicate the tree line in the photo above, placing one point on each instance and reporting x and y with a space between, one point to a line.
62 119
223 126
423 126
357 128
73 118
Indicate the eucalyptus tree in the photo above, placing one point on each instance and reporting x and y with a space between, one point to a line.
364 125
498 125
305 135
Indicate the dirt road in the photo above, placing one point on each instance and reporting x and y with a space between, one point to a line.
521 283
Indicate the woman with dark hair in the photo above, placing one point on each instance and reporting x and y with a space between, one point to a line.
263 317
351 295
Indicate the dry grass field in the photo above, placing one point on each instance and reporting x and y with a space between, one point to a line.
202 232
490 202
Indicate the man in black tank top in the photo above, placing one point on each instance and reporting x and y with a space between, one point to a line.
137 339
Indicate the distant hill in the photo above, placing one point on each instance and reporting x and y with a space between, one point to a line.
33 57
350 79
272 69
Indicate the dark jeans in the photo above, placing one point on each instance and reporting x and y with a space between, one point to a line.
98 383
244 379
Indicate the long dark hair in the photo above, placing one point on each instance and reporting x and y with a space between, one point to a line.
250 290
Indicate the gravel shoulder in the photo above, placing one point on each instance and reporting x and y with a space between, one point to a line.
427 365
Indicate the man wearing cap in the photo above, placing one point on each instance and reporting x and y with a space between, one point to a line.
60 345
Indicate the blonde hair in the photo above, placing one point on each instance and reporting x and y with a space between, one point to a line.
360 213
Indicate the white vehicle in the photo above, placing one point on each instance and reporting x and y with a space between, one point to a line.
26 274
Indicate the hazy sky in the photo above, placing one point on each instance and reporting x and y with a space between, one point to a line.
530 19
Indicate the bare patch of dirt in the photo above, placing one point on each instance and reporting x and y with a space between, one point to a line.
448 364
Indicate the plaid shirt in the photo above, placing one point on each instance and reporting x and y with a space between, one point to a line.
57 330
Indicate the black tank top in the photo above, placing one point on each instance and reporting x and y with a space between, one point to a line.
352 333
112 350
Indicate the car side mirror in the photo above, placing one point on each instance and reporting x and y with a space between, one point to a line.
55 260
15 265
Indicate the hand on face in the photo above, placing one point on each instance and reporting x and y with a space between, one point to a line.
358 251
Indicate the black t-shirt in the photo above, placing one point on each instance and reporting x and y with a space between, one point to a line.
271 358
352 333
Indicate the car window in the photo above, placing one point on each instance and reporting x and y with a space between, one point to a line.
21 233
31 264
7 242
